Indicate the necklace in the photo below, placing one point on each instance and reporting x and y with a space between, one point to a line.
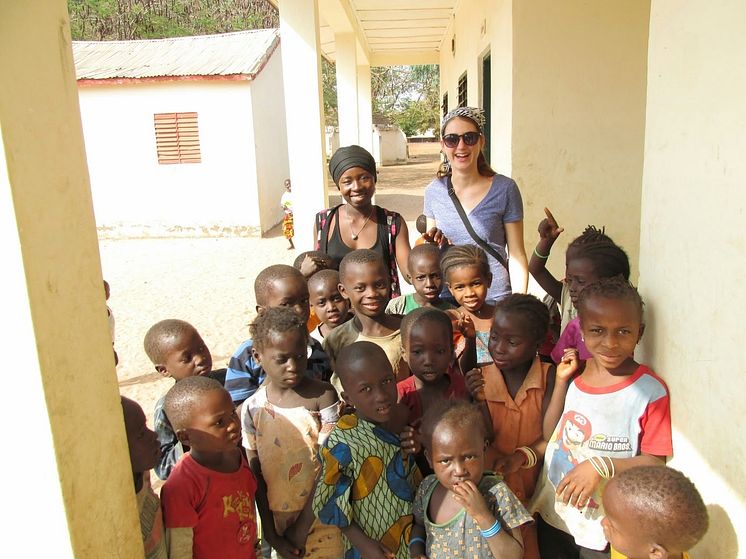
349 221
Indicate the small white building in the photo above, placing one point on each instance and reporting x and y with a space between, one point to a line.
184 136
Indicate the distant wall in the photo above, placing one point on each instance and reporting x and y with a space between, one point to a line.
393 144
133 194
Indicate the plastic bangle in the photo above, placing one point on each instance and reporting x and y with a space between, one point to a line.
416 540
492 530
540 255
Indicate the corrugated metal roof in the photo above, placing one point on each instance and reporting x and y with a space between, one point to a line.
242 52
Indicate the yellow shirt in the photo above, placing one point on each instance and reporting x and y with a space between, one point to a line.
616 555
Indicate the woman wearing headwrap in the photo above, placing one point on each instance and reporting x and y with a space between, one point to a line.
359 223
491 202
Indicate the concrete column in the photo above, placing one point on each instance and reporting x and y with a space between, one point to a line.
63 434
301 71
347 92
364 108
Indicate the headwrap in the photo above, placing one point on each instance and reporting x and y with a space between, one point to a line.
349 157
472 113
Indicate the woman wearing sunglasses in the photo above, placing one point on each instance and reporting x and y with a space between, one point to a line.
469 194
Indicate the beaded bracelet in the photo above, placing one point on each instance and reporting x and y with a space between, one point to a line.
492 530
540 255
531 458
416 540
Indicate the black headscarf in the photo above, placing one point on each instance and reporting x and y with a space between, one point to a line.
349 157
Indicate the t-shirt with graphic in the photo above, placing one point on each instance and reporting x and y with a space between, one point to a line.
218 507
619 421
461 536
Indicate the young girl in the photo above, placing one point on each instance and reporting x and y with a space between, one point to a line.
463 511
516 388
284 423
589 257
286 203
327 303
615 416
468 277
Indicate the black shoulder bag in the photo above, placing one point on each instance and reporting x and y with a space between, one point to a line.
489 249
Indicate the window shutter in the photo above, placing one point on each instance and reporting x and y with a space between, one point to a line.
177 138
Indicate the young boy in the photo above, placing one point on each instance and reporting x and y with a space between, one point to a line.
176 350
208 500
367 481
364 281
653 512
144 454
276 286
427 280
327 303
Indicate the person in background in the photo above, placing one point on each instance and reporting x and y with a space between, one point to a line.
286 201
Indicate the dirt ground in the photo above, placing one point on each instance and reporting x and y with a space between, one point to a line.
209 281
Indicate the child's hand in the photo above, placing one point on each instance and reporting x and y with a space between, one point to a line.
409 441
569 364
475 384
372 549
579 485
465 325
469 497
548 227
435 235
295 538
510 463
284 548
311 265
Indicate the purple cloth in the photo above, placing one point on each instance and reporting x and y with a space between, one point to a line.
571 337
502 204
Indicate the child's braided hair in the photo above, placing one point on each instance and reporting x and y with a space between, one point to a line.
608 258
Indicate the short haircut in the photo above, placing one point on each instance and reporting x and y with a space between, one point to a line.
160 335
359 256
275 320
311 254
353 356
182 397
666 503
421 224
608 258
429 250
530 308
424 314
459 256
460 414
610 288
323 276
268 276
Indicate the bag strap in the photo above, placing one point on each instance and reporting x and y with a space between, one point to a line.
323 231
462 214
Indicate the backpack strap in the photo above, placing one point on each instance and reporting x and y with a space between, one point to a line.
323 222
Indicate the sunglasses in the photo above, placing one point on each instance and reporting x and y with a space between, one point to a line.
452 140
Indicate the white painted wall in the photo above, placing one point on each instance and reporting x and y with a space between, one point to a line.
133 194
392 142
269 140
692 247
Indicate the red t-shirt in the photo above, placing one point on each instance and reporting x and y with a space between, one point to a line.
219 508
409 396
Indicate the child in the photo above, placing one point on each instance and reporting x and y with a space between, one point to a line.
284 422
468 277
516 388
462 510
589 257
615 416
208 500
279 285
653 512
425 277
327 303
176 350
286 203
144 453
366 485
427 347
364 282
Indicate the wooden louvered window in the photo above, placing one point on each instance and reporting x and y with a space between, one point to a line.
462 90
177 138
